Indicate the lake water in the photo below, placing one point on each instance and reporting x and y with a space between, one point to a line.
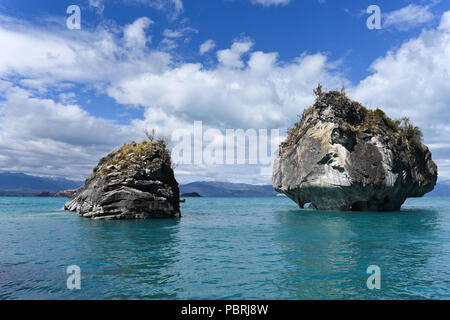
226 248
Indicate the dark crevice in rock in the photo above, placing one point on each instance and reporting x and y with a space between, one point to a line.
339 168
326 159
346 138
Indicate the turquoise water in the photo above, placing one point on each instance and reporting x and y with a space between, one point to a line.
226 248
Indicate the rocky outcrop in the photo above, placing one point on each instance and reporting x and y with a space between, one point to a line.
45 194
191 195
66 193
135 181
342 156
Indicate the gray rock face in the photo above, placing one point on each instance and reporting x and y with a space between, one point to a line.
133 182
66 193
342 156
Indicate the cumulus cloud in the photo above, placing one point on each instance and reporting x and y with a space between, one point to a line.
172 33
445 22
207 46
232 57
407 17
172 37
178 5
260 94
42 136
39 135
98 4
88 57
174 8
246 88
135 33
414 81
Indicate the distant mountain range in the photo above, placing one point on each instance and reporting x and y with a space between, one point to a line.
441 189
20 184
227 189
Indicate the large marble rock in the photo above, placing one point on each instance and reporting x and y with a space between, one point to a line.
135 181
342 156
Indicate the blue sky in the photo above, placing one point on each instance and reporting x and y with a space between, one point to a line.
67 97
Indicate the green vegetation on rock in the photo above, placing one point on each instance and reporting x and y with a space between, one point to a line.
358 117
135 154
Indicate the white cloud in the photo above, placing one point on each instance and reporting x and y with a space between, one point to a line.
67 97
172 33
414 81
97 4
261 94
87 57
258 92
174 8
167 44
232 57
173 37
445 22
407 17
268 3
444 170
42 136
135 33
207 46
245 89
178 6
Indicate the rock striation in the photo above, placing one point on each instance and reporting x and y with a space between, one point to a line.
135 181
342 156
